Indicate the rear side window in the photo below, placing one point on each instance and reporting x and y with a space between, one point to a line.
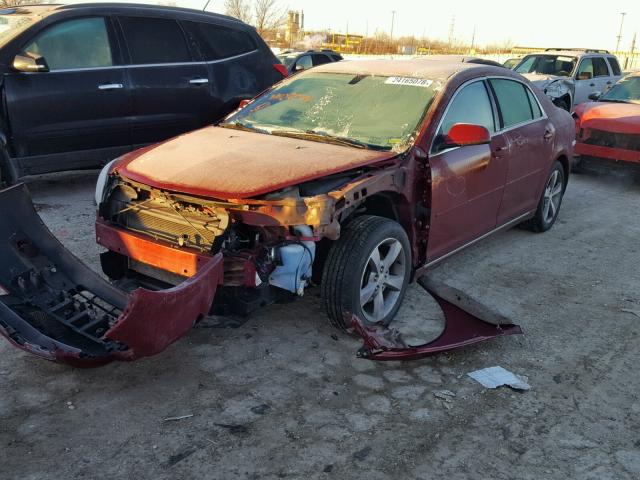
80 43
320 59
600 68
513 101
535 106
220 42
335 57
615 66
154 40
470 105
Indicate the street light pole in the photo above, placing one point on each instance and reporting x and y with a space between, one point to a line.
620 32
393 19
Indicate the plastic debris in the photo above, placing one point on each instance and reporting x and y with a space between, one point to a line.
175 419
494 377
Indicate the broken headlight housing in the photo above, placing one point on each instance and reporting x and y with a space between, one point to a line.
101 184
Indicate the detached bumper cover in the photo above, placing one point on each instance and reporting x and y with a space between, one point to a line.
462 328
54 306
611 153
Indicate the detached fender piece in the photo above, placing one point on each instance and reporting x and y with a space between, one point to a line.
461 328
54 306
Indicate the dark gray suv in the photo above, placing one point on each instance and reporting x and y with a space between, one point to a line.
83 84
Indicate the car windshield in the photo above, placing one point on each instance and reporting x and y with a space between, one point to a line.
287 60
377 112
626 90
557 65
13 21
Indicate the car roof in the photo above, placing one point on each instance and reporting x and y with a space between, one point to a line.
415 68
52 8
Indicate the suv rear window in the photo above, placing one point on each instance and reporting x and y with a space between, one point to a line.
154 40
615 66
218 42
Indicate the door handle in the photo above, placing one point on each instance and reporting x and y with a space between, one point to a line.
198 81
592 84
110 86
609 82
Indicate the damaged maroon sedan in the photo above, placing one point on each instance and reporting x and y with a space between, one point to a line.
358 176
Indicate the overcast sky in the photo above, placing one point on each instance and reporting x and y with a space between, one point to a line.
566 23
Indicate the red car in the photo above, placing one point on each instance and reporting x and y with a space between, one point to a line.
359 176
609 128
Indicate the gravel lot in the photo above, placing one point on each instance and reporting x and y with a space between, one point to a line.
284 397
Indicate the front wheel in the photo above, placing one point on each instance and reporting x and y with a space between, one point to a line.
549 205
367 272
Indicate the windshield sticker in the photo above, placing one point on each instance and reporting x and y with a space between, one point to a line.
414 82
566 59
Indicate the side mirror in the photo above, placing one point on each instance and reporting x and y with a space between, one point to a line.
30 62
595 96
244 103
466 134
299 68
584 76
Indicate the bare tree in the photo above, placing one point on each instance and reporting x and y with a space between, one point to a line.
239 9
269 15
15 3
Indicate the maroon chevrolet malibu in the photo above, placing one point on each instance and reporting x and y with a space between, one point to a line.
357 176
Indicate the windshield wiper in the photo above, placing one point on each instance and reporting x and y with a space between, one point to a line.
325 137
242 126
613 100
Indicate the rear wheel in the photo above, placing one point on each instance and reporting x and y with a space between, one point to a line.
367 272
549 205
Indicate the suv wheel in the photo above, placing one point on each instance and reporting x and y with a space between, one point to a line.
549 205
367 271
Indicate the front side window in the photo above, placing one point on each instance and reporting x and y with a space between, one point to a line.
585 71
376 112
79 43
218 42
154 40
304 62
557 65
470 105
320 59
513 101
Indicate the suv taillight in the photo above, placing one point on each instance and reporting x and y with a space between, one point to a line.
281 69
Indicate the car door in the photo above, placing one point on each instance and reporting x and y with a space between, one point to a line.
466 182
75 115
529 135
236 68
592 76
169 84
616 72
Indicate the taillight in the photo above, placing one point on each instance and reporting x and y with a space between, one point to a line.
281 69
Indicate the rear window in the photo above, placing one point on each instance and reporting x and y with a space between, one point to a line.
154 40
513 101
218 42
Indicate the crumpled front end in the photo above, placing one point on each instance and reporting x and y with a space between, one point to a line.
55 307
561 90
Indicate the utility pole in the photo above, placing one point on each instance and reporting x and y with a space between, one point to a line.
451 29
622 14
630 57
393 20
473 40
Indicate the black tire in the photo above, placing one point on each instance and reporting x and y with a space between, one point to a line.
348 262
543 220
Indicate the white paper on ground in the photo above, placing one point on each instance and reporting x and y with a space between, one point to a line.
494 377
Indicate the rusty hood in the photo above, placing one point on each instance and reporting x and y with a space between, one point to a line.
610 117
232 164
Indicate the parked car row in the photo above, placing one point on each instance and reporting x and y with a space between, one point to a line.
83 84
